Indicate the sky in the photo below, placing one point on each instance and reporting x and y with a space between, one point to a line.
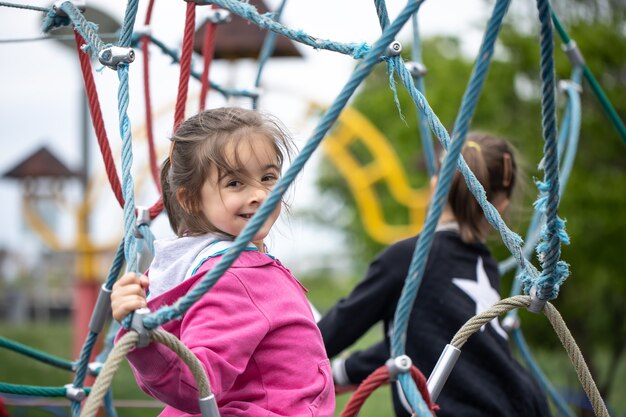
40 105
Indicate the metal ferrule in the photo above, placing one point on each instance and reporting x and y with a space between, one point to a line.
442 370
208 406
416 69
94 368
536 303
394 49
218 16
136 324
143 218
399 364
564 85
116 55
574 54
101 311
141 31
73 393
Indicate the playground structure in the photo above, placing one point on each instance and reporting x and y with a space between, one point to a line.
544 283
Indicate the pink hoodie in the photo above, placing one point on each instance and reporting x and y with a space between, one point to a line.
255 335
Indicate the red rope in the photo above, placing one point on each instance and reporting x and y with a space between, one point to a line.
377 378
185 64
98 121
98 124
207 51
145 42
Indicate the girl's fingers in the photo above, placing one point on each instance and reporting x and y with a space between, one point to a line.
128 295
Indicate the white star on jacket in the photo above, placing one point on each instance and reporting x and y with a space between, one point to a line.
483 294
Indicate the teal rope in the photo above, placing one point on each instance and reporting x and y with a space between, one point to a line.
24 6
554 271
36 354
129 22
33 391
569 135
128 188
86 29
168 313
195 74
427 140
92 337
266 51
595 86
538 374
249 12
418 261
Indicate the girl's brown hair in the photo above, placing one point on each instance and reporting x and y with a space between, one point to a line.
492 160
199 144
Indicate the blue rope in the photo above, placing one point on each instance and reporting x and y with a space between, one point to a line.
88 30
554 271
381 12
24 6
416 269
545 384
195 74
427 140
168 313
266 51
568 136
568 143
128 188
129 22
87 348
249 12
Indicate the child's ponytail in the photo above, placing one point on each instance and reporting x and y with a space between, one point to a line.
492 161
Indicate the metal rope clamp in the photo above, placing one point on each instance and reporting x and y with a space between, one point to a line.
94 368
79 4
574 54
564 85
143 219
218 16
113 56
136 324
536 303
416 69
398 365
73 393
394 49
441 371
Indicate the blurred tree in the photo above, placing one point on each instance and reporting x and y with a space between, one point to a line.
595 199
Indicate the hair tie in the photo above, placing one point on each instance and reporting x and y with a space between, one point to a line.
472 144
507 174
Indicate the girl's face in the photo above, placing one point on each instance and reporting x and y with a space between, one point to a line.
229 202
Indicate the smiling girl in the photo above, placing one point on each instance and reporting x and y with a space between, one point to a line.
253 331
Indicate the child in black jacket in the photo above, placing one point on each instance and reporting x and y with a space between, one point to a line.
461 279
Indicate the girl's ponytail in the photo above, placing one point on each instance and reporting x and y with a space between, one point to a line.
492 161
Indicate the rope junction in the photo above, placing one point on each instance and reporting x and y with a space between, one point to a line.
543 285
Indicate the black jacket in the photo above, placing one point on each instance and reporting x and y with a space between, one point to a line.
486 380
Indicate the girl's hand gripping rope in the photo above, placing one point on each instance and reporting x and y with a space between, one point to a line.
128 295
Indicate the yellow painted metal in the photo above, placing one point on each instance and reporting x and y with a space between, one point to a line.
385 167
35 221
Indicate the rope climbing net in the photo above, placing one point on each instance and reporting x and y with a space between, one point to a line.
541 284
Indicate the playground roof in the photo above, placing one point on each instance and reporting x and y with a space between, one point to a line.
42 163
240 39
